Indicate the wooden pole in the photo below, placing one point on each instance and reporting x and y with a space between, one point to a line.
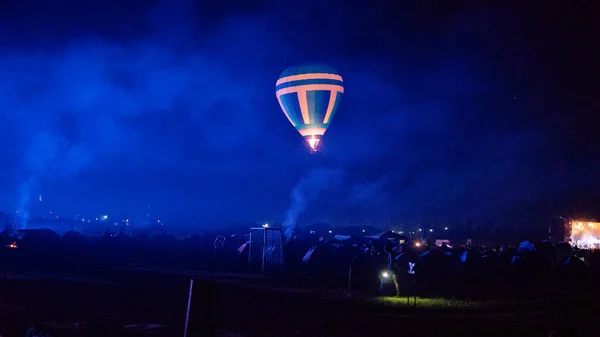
415 288
349 280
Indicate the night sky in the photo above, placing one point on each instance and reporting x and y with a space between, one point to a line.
451 111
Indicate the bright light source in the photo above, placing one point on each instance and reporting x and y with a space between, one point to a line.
431 230
363 230
417 244
445 228
104 217
411 268
313 142
385 274
330 232
266 225
586 237
393 232
419 229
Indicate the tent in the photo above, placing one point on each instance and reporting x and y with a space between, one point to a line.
389 235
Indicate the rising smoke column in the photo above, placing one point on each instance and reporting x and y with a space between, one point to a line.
307 189
49 154
42 149
24 197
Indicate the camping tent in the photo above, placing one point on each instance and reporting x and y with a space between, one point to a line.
390 236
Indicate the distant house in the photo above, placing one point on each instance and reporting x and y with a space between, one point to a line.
348 240
149 232
390 236
56 225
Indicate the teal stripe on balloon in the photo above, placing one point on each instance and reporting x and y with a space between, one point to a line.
292 107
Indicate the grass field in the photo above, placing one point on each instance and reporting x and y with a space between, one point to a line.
436 303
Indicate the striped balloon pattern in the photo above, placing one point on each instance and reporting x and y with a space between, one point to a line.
309 96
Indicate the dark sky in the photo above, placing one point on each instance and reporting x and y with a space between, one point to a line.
451 111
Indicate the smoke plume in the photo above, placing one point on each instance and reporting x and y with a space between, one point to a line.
48 154
307 189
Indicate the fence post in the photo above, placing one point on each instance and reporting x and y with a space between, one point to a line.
187 314
204 310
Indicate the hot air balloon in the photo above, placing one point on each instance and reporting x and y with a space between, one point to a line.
309 96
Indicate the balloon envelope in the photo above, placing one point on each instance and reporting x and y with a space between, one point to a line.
309 96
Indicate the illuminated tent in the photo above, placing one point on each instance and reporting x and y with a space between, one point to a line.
533 260
318 264
309 96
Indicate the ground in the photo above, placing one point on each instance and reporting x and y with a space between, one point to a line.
117 284
260 308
